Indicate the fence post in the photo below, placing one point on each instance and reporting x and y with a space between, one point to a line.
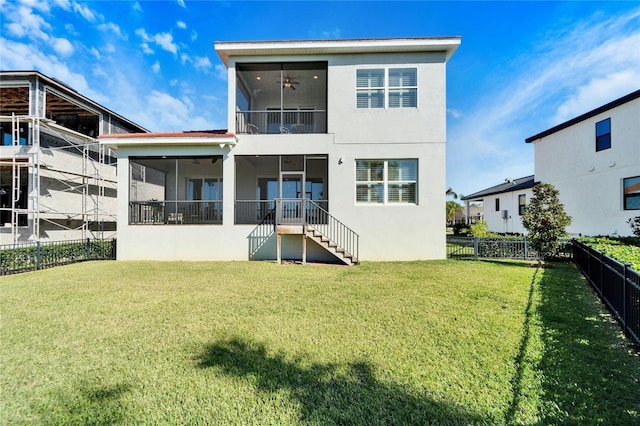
475 247
38 255
88 249
625 295
526 249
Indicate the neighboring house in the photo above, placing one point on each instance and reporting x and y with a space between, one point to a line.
504 204
339 140
56 181
594 162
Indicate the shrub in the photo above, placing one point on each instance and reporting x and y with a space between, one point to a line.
480 229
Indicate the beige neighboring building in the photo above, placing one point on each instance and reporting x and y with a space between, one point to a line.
56 181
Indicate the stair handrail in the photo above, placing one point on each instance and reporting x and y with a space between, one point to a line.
261 233
321 221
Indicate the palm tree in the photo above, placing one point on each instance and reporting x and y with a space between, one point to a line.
452 193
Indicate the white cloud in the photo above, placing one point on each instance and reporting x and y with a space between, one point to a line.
114 28
597 92
24 23
165 41
23 56
109 48
84 11
181 24
156 67
146 49
136 6
182 4
194 35
202 63
221 72
62 46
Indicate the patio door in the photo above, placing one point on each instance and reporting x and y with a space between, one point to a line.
292 192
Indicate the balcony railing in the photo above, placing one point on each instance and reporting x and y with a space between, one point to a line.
275 122
175 212
252 212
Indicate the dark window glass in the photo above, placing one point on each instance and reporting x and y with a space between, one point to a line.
603 134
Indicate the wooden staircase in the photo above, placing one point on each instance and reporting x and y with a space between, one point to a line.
305 217
330 246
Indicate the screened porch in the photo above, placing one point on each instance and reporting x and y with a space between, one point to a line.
261 180
175 190
277 98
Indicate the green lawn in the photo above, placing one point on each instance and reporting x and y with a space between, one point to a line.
255 343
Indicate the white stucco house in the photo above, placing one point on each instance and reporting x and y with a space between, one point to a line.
594 162
503 204
335 151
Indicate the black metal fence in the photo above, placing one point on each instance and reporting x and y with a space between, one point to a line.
617 285
498 248
16 258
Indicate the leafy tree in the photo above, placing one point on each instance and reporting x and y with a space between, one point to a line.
545 219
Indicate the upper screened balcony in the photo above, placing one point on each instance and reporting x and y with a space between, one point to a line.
288 97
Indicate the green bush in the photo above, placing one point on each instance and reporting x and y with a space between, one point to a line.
480 229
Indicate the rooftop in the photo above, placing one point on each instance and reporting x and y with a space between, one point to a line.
509 185
226 49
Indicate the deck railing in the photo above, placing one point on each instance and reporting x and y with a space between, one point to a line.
275 122
175 212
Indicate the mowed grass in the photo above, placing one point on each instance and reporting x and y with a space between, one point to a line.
255 343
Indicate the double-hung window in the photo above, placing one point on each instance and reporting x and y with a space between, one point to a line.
603 134
522 203
631 193
386 88
386 181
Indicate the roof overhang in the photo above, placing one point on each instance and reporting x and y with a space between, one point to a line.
170 139
343 46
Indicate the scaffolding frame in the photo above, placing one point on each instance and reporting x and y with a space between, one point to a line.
93 157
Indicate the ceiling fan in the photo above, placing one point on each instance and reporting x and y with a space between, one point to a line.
288 83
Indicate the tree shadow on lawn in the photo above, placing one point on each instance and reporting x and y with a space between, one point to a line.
332 393
85 404
589 374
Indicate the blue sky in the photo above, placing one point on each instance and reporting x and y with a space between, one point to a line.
522 67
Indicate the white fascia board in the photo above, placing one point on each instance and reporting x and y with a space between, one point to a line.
323 47
169 141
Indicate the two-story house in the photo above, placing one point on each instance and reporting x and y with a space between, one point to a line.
335 150
594 162
56 181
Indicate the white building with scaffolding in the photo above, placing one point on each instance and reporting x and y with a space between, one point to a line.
56 181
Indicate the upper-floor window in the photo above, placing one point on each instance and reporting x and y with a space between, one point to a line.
522 203
386 181
497 204
603 134
631 193
387 88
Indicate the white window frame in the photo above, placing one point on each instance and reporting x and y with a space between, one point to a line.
386 88
385 182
